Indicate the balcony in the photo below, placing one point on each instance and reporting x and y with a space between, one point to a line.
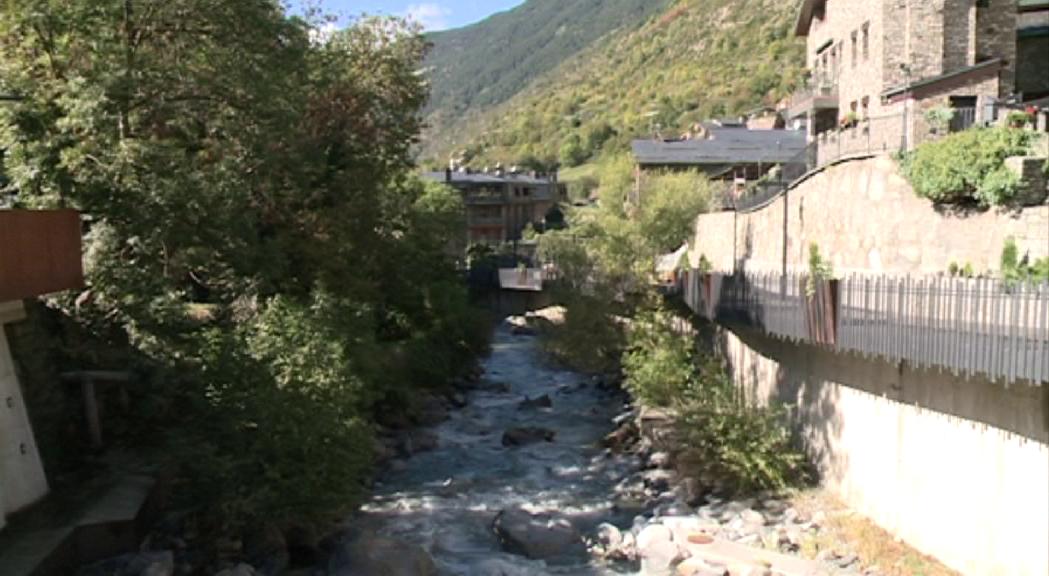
485 198
818 94
485 221
39 253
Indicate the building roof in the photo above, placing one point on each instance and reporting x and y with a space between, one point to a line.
807 13
725 146
991 65
490 178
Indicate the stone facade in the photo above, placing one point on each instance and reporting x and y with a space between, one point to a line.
867 48
865 217
500 206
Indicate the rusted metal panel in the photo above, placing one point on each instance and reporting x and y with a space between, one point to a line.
40 253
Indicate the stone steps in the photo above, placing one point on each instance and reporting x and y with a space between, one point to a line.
109 526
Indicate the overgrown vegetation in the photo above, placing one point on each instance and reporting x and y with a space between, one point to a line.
1014 269
694 60
614 322
739 445
256 249
968 167
820 270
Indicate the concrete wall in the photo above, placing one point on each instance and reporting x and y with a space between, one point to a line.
958 469
22 480
866 217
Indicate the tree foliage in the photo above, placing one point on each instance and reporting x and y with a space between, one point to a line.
254 236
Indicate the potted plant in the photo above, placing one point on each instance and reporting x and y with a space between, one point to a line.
1021 119
821 300
849 120
939 119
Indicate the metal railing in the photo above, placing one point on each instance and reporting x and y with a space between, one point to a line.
963 119
984 326
823 86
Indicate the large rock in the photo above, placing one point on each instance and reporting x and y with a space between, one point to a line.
417 442
377 556
238 570
144 564
266 549
658 550
527 435
538 537
431 410
543 401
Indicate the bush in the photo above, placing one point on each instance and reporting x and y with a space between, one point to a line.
1014 269
589 340
658 363
740 446
967 167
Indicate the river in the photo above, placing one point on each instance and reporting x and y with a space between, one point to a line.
447 499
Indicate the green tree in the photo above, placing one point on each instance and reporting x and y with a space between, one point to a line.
254 238
572 151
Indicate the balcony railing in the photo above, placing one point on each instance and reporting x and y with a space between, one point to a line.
817 94
984 326
963 119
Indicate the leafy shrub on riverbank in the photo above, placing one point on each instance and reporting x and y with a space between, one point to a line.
967 167
740 446
589 340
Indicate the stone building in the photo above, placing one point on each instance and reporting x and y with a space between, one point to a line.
879 66
500 205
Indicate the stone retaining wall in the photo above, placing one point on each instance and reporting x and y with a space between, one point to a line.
866 217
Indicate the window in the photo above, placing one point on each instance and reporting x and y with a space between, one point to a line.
855 51
866 104
866 41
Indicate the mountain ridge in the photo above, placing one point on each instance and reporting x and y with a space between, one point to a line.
691 60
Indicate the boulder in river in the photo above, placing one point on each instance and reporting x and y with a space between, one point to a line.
543 401
431 410
142 564
527 435
266 548
378 556
417 442
539 537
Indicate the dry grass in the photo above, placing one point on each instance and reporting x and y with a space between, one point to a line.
846 532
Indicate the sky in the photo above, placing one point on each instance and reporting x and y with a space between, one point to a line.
432 14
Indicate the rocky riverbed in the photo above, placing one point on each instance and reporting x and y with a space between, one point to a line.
546 472
533 470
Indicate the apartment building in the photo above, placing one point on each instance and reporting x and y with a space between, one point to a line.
500 205
878 66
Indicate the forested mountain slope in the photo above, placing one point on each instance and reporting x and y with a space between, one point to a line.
485 64
694 60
